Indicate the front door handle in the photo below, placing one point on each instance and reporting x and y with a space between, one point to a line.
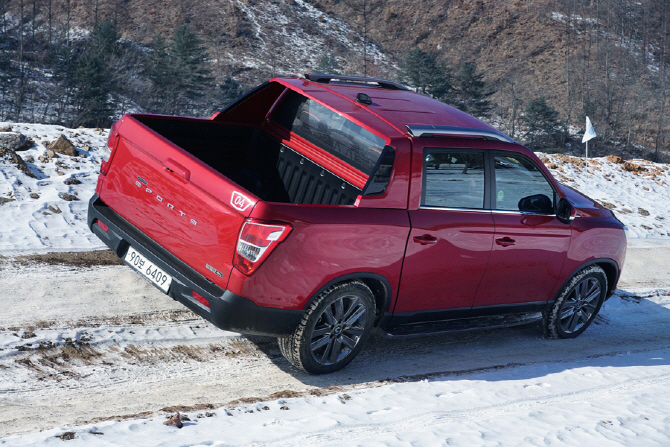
505 241
425 239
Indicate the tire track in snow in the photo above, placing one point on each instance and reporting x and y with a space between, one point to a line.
429 422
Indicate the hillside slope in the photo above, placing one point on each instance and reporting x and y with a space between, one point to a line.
249 39
606 59
254 39
500 37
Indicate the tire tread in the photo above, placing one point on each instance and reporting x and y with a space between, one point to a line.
550 317
290 345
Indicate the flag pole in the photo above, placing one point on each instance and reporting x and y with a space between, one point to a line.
588 134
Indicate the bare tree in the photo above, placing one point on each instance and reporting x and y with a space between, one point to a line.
662 97
512 93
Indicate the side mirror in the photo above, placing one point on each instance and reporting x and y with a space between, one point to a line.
538 203
565 212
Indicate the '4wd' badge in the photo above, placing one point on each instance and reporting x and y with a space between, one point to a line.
239 201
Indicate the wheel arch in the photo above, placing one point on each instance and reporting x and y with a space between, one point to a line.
379 285
610 268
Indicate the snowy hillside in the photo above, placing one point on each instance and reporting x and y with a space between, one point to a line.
638 191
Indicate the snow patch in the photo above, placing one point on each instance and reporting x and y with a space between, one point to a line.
39 219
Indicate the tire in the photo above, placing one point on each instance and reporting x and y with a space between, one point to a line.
333 330
577 305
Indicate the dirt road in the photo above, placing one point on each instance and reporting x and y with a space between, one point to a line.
99 342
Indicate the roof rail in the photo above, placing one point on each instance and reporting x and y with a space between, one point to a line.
452 131
383 83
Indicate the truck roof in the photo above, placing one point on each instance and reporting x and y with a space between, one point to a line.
393 103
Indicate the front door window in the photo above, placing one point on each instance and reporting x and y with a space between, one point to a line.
520 186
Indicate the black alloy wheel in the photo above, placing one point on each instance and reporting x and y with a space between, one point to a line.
333 330
577 305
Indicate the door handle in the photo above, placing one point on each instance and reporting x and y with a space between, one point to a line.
505 241
177 170
425 239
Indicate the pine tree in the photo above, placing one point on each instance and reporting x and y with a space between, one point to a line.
104 41
90 77
328 64
180 73
420 70
91 92
542 125
229 91
471 90
189 56
163 76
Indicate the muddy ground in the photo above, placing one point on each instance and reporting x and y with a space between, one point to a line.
76 259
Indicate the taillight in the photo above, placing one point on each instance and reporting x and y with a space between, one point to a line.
256 242
112 141
104 167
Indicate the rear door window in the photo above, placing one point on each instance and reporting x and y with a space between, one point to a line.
329 131
453 179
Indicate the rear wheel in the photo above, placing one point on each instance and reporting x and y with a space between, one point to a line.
577 305
333 330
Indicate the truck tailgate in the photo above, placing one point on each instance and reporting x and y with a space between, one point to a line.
176 200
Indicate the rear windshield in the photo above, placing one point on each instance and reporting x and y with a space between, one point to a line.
329 131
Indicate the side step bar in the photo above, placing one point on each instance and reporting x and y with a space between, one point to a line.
462 325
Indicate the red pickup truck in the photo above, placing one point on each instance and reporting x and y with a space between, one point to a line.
317 209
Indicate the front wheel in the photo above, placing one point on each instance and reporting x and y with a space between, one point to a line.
577 305
333 329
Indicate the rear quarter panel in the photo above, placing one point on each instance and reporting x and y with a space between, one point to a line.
326 243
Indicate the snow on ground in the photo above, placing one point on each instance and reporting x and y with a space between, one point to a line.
611 386
637 191
608 401
62 349
49 222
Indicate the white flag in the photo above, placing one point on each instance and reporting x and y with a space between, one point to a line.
590 131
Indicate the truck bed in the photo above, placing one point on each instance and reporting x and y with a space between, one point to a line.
254 160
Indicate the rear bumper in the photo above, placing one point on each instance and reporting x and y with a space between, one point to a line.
226 310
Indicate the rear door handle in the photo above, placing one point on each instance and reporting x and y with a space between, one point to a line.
177 170
425 239
505 241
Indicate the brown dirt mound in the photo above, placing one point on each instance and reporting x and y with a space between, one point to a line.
632 167
77 259
614 159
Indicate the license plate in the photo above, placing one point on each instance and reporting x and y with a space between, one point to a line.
152 273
